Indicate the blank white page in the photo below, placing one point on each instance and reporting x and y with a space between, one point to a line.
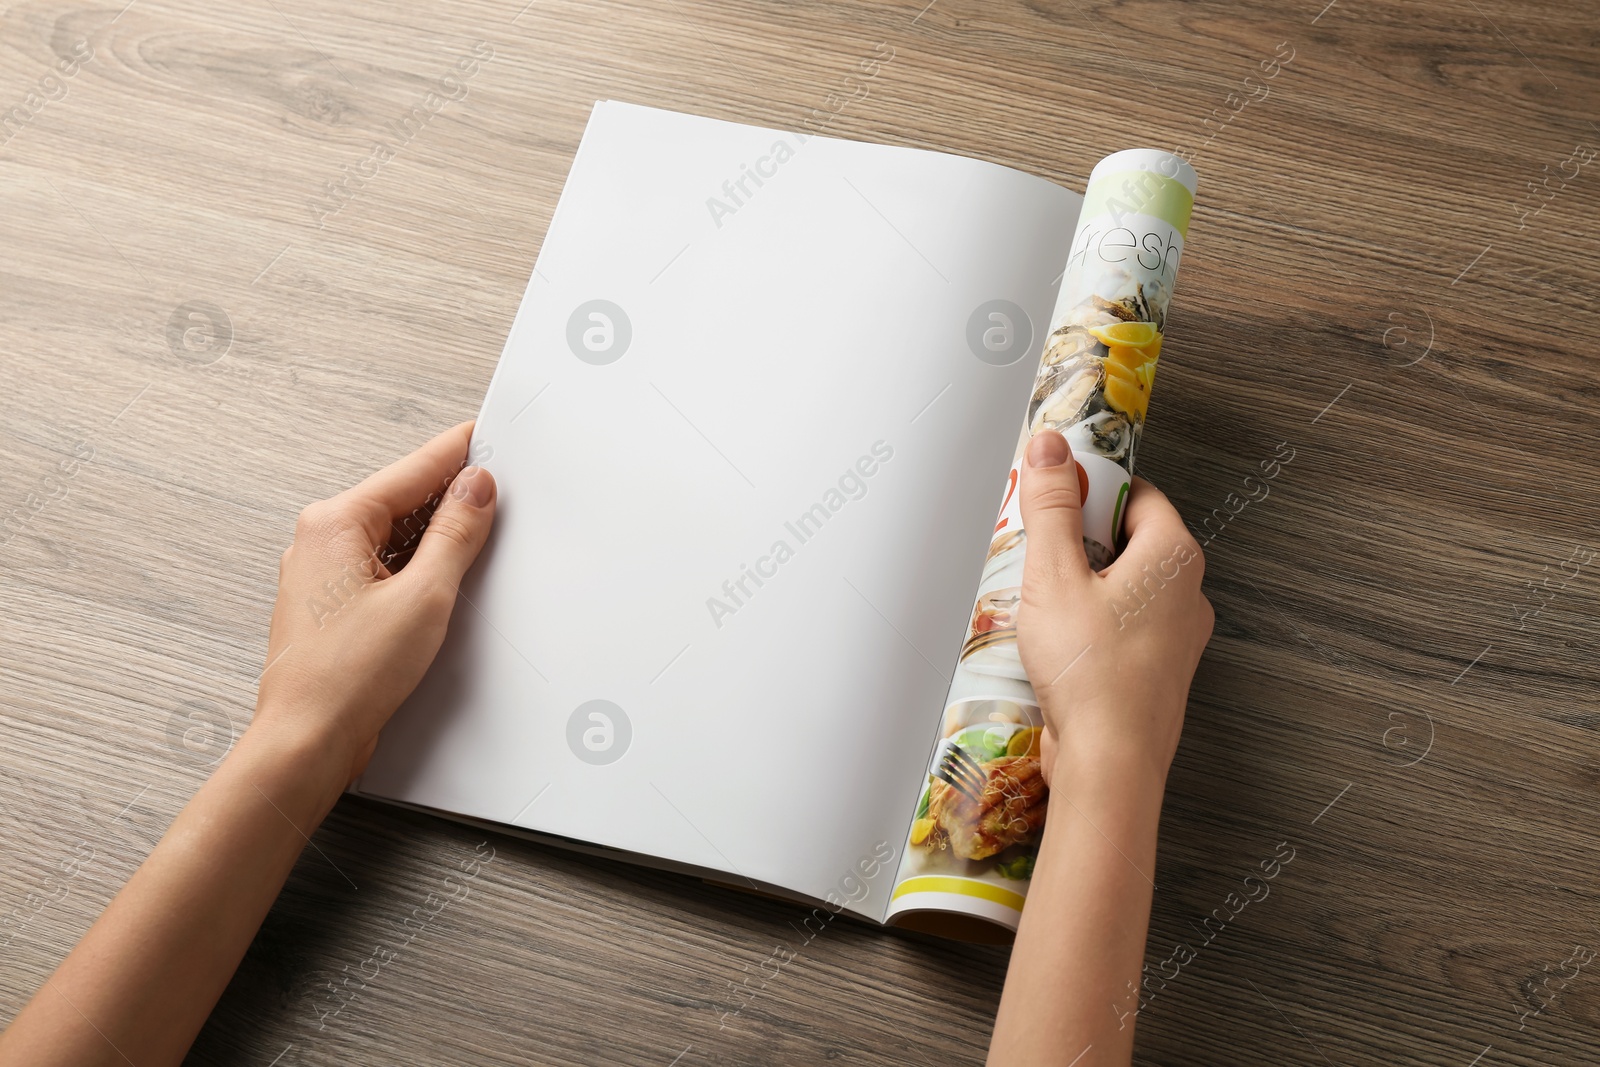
771 347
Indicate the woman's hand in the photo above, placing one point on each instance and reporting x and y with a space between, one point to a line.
1110 654
352 634
364 595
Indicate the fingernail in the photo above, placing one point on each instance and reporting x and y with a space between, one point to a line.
473 486
1048 449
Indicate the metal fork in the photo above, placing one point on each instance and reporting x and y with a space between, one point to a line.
960 771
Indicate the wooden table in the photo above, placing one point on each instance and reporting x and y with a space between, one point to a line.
216 305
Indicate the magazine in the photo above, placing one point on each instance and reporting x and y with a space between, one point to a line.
748 609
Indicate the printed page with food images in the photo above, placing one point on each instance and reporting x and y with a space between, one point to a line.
981 807
746 428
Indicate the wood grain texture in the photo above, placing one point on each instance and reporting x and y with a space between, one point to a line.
1372 696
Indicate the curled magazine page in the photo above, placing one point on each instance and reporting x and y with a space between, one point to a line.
981 810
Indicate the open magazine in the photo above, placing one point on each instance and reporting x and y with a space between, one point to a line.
748 609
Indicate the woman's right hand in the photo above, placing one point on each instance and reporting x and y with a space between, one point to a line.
1110 654
365 593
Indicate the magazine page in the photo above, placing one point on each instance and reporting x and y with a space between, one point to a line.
733 418
981 807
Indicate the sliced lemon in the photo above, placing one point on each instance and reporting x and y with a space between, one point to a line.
1138 334
1129 356
1024 742
1128 373
920 829
1126 397
1147 375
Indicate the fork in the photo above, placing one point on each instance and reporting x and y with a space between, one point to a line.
960 771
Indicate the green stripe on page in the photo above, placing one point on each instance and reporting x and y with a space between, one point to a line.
1116 512
965 887
1139 192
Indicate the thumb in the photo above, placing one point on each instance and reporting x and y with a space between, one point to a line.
1053 487
457 529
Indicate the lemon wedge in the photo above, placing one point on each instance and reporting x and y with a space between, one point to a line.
1129 356
1024 742
1137 334
1117 370
1126 397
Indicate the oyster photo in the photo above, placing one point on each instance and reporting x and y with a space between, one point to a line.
1070 342
1134 305
1096 312
1064 393
1097 368
1105 433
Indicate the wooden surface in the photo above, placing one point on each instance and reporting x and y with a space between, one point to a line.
1378 694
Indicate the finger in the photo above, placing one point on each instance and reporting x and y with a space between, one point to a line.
403 492
1156 533
1052 491
1151 518
456 532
